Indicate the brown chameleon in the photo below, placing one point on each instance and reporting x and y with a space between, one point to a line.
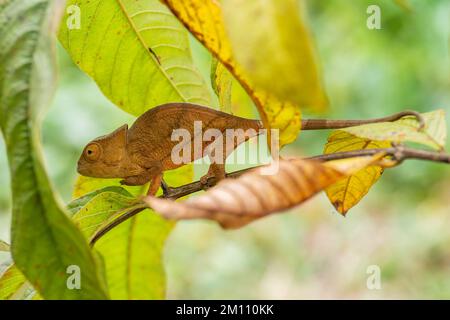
142 153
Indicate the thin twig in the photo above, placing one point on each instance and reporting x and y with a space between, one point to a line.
399 153
318 124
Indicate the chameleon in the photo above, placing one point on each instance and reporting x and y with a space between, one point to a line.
142 153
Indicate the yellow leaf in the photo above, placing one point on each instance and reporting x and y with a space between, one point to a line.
347 192
272 44
204 19
13 284
222 84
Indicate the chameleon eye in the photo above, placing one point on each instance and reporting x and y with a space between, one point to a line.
92 152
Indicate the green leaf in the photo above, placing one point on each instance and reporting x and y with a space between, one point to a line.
77 204
133 255
13 285
99 209
407 130
86 214
133 250
271 42
44 241
136 51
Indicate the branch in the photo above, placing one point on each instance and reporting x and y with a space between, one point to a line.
318 124
399 153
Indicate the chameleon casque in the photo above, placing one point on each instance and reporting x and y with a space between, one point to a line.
142 153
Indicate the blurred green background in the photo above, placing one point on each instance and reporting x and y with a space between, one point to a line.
403 225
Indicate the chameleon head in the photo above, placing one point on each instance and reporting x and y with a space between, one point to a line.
104 157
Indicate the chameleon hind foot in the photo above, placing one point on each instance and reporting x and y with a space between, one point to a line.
165 188
216 171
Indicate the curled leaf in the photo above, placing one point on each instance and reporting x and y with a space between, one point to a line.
261 191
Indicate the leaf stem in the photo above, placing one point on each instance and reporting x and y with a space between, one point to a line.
319 124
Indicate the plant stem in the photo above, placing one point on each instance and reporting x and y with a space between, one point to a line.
318 124
398 152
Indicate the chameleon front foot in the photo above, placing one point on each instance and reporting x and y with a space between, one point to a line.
205 181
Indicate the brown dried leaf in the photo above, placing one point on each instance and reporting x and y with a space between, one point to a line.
234 203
